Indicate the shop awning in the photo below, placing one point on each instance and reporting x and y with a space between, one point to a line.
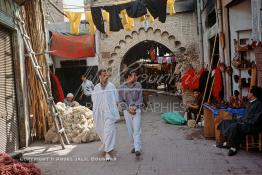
72 47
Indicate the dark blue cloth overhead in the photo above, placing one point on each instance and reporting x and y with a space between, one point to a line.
157 8
98 18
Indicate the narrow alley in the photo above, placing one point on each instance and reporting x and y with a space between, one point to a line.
167 149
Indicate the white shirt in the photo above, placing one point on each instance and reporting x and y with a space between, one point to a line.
87 87
105 100
252 101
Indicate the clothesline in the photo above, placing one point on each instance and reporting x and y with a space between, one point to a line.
108 17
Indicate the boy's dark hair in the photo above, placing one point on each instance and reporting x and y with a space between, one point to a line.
129 73
100 71
236 93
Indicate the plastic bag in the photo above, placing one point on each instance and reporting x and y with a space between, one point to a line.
173 118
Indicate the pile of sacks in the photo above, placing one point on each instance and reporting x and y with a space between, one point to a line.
78 123
10 166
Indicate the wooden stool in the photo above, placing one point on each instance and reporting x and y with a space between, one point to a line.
254 141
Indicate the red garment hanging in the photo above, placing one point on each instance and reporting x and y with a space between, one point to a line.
152 54
73 47
194 83
187 78
217 87
57 89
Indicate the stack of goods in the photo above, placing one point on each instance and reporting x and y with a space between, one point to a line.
10 166
78 123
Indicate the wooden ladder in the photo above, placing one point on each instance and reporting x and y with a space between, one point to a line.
45 87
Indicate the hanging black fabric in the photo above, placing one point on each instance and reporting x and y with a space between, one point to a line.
98 18
135 9
202 81
115 21
157 8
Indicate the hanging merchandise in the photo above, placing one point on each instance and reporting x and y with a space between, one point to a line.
89 19
135 9
98 18
171 7
106 18
131 24
168 60
165 60
114 19
128 12
126 21
159 60
57 88
187 78
72 46
124 17
151 18
157 9
74 20
217 88
152 54
194 83
142 18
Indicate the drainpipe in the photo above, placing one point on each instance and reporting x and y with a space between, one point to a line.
220 26
200 33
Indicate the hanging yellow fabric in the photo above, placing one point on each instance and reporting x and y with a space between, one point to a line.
142 18
128 23
106 17
171 7
131 24
89 19
151 18
74 21
124 17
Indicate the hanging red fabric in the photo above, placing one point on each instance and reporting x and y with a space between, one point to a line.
217 87
73 47
152 54
194 83
187 78
57 89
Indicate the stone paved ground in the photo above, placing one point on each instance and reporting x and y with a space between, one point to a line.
167 150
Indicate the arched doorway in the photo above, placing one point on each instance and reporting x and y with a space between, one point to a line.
154 62
132 39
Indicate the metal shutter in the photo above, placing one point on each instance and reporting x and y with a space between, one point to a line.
8 110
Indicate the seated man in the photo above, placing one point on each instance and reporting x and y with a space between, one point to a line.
234 131
193 108
69 100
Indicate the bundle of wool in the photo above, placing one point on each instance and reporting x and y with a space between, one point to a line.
191 123
78 123
10 166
